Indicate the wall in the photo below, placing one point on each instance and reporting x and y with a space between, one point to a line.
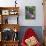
22 3
39 13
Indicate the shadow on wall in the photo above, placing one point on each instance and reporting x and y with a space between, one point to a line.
37 29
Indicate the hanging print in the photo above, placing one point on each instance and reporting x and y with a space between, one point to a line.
30 12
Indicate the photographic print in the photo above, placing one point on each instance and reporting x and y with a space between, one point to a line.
30 12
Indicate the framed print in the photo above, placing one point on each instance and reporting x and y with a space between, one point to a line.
5 12
30 12
13 12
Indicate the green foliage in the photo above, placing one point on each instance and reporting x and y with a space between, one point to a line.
31 10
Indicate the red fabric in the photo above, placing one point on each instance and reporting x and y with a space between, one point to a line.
29 33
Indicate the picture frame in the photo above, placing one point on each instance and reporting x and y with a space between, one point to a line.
13 12
30 12
5 12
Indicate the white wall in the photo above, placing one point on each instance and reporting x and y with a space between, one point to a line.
39 13
22 3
